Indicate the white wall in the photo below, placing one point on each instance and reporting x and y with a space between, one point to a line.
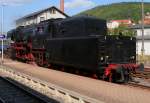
49 15
146 32
112 25
46 15
57 15
146 47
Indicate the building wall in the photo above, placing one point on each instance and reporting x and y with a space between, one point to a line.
112 25
146 32
49 14
146 47
146 42
56 15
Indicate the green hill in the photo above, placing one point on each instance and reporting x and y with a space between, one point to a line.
122 10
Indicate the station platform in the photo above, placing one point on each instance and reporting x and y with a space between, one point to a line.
100 90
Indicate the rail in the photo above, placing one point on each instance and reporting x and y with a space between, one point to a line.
142 86
142 74
48 89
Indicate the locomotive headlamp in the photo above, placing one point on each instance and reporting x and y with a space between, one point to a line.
105 37
107 56
132 57
102 58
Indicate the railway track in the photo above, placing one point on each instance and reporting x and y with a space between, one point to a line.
142 74
142 86
142 79
13 92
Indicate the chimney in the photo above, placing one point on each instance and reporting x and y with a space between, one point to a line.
62 5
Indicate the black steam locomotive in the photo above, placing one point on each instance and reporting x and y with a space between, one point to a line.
80 44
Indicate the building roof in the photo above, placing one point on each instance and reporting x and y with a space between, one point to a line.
139 26
38 12
126 21
147 21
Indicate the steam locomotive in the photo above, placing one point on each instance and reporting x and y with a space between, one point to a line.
76 43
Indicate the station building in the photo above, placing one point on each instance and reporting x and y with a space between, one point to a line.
138 29
37 17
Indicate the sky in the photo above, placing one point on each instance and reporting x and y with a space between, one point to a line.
14 9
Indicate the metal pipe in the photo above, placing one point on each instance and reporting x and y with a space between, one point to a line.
142 48
2 19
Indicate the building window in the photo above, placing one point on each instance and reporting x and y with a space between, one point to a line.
42 19
53 11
